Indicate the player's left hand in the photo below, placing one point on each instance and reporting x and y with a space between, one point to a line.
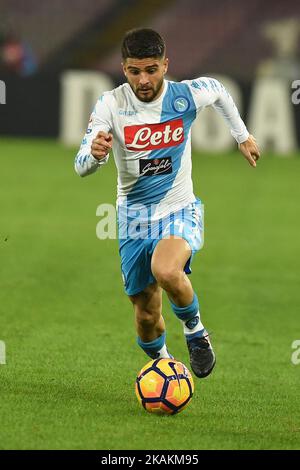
250 150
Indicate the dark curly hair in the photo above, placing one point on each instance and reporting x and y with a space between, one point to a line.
141 43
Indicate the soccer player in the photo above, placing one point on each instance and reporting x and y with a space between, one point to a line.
147 124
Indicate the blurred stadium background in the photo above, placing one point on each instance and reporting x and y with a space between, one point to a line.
68 381
242 41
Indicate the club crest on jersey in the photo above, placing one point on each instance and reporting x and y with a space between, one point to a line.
154 136
181 104
155 166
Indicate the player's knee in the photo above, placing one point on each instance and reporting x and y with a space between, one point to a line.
168 278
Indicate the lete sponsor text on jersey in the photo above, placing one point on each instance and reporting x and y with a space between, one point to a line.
154 136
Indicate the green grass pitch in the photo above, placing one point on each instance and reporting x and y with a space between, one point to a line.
72 357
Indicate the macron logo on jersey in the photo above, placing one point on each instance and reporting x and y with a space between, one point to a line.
154 136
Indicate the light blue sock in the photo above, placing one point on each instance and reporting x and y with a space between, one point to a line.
190 317
155 349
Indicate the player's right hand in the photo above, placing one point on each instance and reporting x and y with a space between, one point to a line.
101 145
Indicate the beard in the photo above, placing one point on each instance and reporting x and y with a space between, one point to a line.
149 93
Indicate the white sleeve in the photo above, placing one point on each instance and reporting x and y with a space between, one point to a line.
100 120
208 91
